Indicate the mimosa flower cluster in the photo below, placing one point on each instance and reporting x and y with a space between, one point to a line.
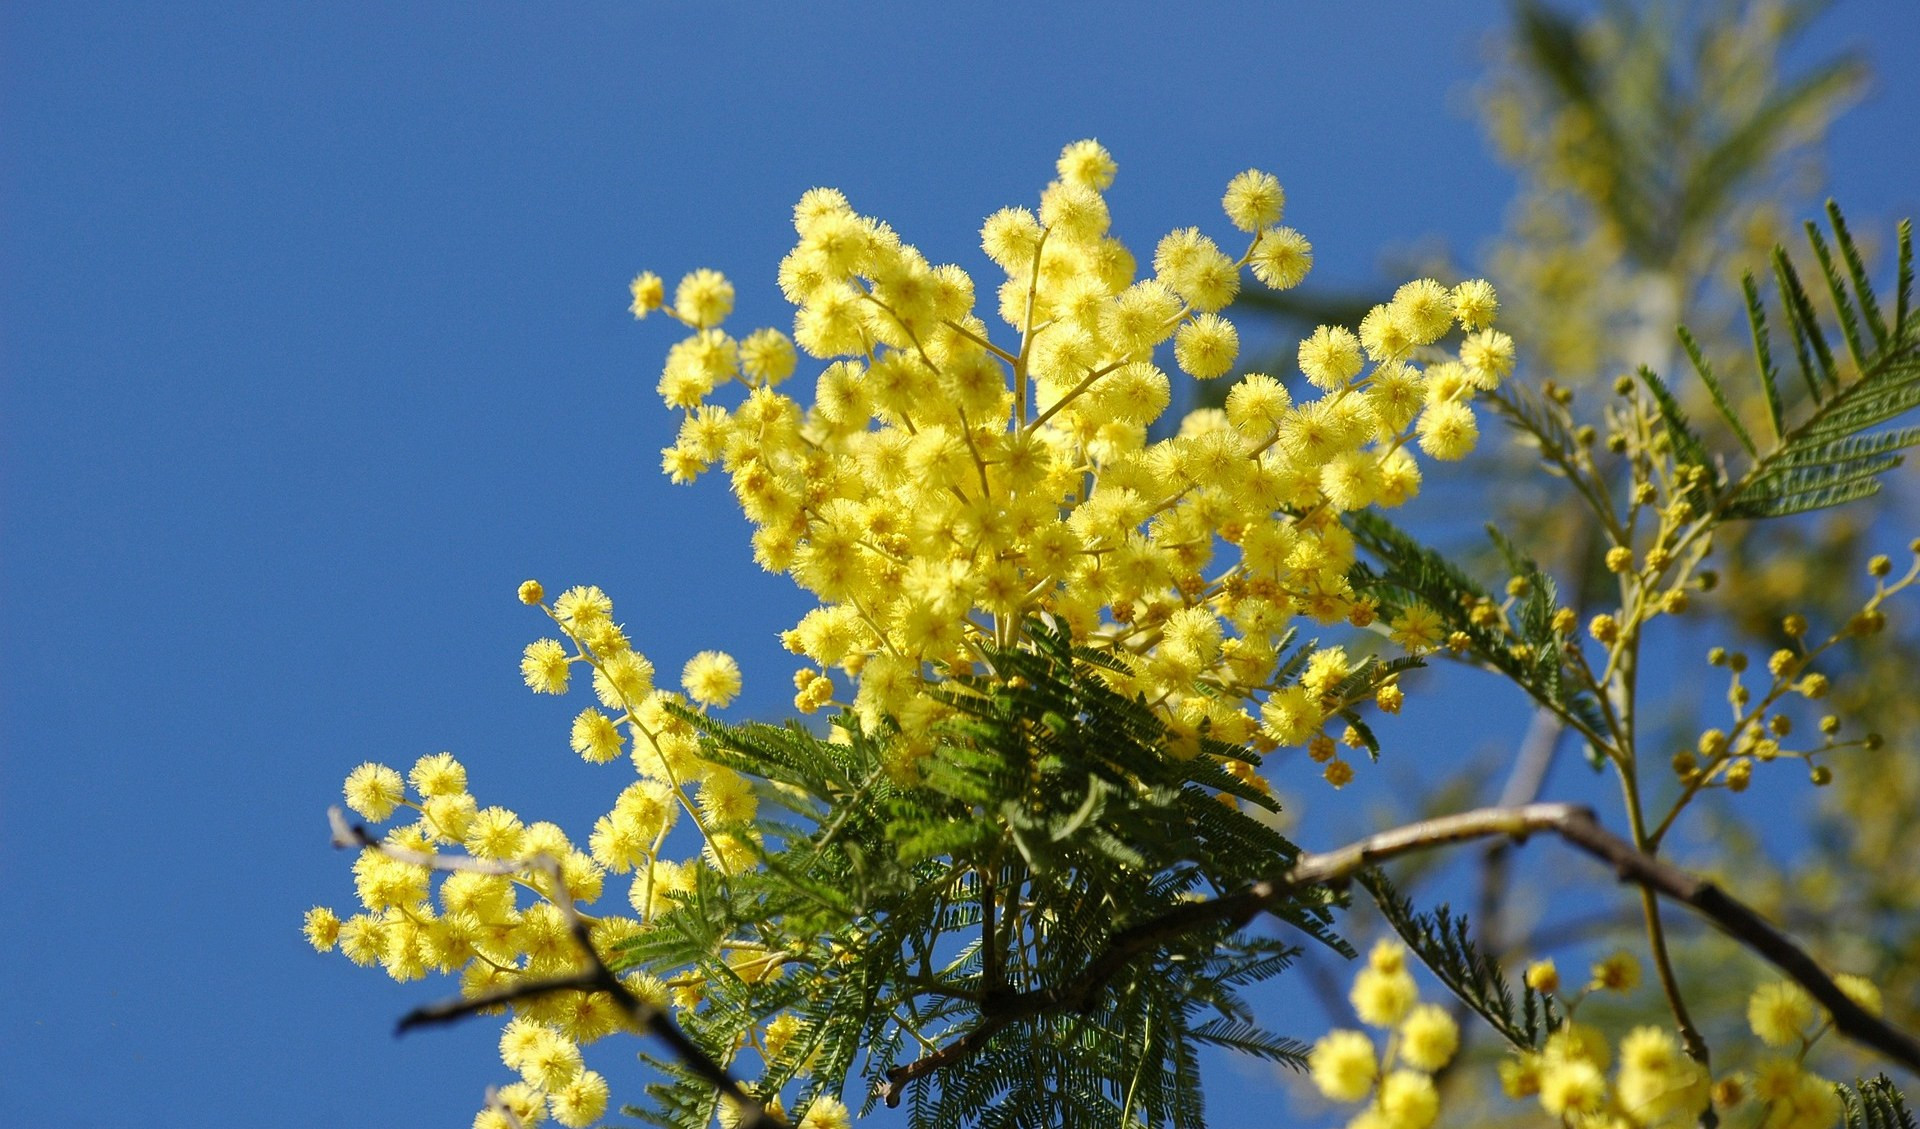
487 930
943 489
1655 1085
940 493
1576 1076
1396 1083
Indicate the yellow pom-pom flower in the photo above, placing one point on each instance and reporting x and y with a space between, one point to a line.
1343 1065
322 927
1429 1037
1475 304
552 1061
1087 164
1010 237
711 678
580 1102
1408 1100
495 833
1572 1087
767 356
1619 972
1206 347
595 737
827 1112
1074 213
1780 1013
438 775
1447 430
545 666
1657 1084
1281 258
1382 999
374 790
649 293
1488 355
1331 357
1424 308
1254 200
703 299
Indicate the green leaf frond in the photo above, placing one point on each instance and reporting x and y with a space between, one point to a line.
1875 1104
1442 942
1527 649
1832 454
908 899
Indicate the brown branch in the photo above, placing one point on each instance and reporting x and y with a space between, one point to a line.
1573 823
597 977
460 1007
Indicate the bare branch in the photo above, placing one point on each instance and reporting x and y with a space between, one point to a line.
597 977
1575 824
355 835
460 1007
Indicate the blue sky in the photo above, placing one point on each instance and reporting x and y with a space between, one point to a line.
313 345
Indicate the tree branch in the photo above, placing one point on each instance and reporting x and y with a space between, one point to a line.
1574 824
597 977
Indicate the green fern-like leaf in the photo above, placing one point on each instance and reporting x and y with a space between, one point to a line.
1688 448
1048 817
1832 455
1442 942
1249 1039
1409 571
1874 1103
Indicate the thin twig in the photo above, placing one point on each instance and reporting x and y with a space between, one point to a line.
1574 824
645 1016
1524 781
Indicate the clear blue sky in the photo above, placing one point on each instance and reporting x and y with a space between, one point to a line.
313 345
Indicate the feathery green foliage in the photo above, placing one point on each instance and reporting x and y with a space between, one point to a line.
1051 818
1831 455
1874 1103
1671 171
1404 571
1442 942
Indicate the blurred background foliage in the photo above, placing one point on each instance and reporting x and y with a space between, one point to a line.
1661 150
